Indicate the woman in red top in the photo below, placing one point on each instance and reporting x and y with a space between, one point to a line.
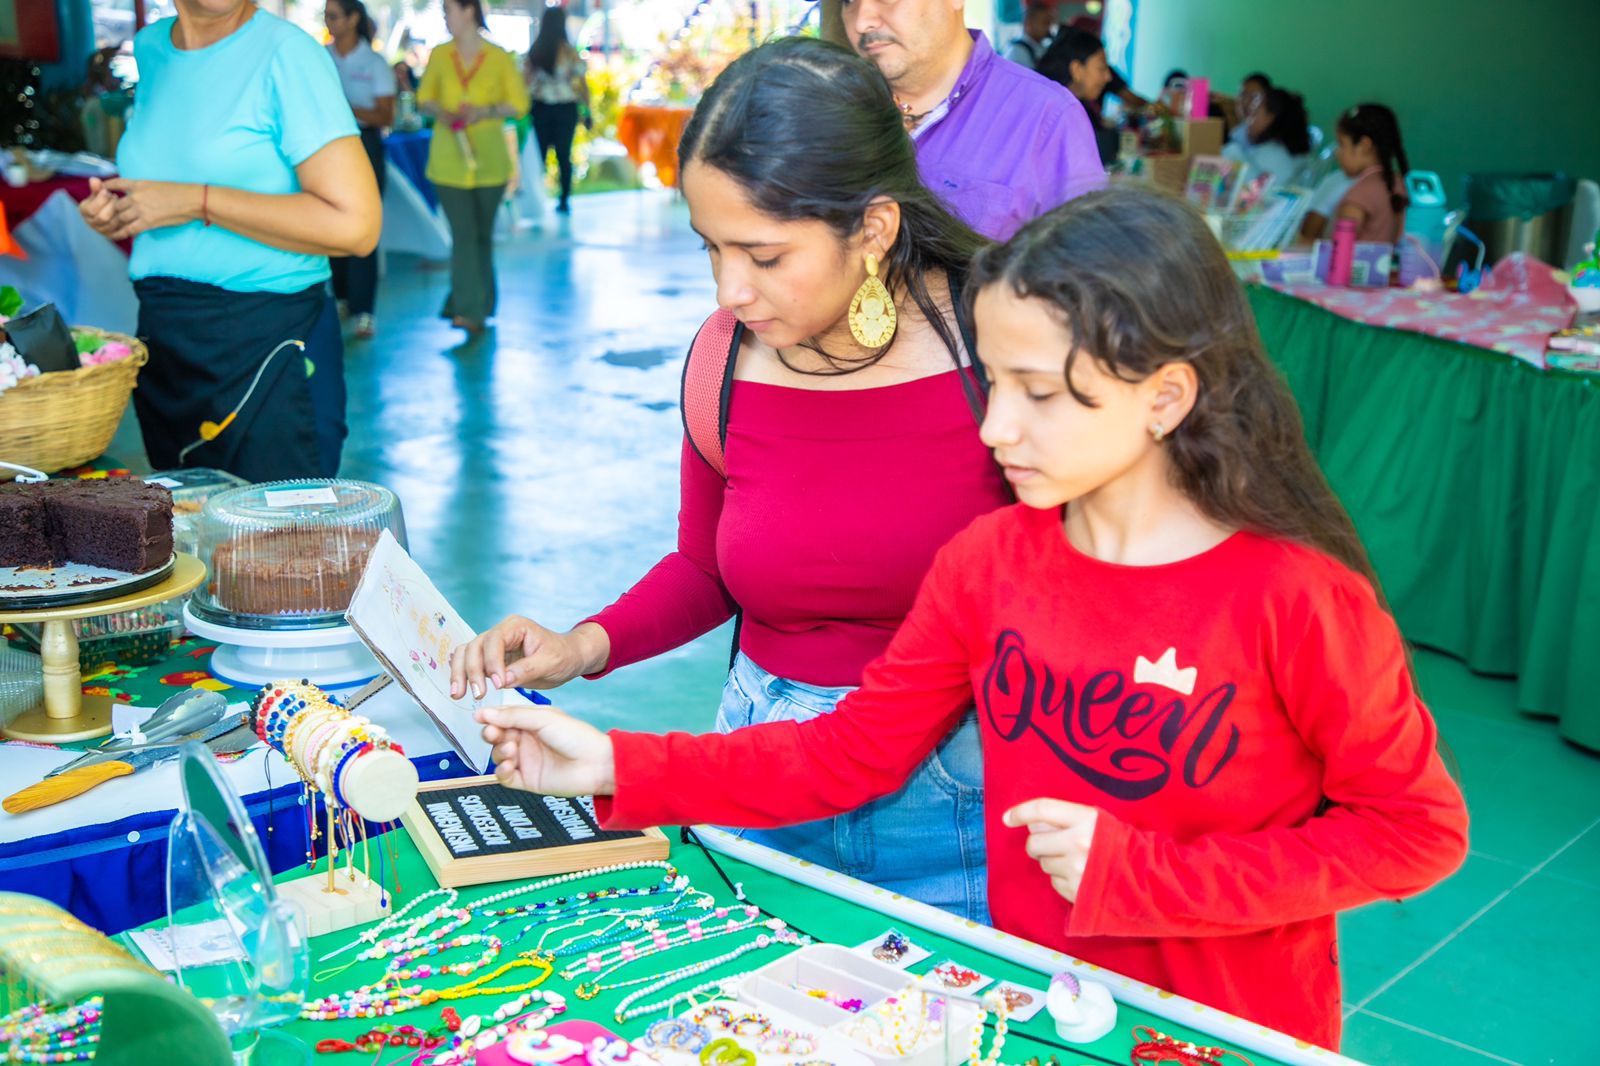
849 460
1201 734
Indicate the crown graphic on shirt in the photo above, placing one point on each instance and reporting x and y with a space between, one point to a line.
1164 672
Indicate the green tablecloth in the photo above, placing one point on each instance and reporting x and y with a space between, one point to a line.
808 909
1474 480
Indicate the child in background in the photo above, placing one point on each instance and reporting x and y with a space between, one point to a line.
1202 735
1371 153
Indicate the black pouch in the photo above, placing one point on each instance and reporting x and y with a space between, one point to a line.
43 339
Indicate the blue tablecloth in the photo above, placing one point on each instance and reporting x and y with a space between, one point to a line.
113 875
409 153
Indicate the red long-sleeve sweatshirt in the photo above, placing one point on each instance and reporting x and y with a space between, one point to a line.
1244 720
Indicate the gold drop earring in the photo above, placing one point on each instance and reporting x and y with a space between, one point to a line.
872 315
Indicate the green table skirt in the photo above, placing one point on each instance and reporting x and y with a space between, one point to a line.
809 910
1474 480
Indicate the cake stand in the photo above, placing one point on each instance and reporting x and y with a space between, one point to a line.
331 657
68 714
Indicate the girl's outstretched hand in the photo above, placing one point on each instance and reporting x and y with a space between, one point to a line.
1059 835
541 749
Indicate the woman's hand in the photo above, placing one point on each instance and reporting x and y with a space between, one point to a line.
100 209
148 205
521 653
541 749
1059 836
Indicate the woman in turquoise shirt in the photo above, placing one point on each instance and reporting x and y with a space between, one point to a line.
242 171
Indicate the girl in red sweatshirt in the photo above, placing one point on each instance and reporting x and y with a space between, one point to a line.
1201 735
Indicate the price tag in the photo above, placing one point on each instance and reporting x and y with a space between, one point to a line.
300 497
164 482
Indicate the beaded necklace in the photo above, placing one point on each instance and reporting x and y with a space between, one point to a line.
669 877
387 996
37 1034
631 926
656 943
422 921
474 1035
626 1009
992 1001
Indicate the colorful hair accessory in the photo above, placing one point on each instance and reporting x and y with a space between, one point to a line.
892 949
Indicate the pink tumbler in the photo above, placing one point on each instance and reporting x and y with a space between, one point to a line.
1344 252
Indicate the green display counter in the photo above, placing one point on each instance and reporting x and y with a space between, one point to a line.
806 908
1474 480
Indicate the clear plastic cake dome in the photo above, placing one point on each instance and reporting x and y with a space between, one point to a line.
289 554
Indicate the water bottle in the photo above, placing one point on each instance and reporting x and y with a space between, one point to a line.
1344 252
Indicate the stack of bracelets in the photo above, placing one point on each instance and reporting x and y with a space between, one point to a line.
320 738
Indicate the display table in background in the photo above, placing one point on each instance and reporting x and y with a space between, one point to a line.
651 135
1474 480
408 153
69 264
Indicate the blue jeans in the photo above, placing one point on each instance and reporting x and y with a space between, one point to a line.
924 841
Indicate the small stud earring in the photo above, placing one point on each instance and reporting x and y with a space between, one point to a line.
1157 430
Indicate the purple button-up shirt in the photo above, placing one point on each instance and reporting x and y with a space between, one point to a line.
1006 145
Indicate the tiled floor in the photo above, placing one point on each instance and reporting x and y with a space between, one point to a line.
538 467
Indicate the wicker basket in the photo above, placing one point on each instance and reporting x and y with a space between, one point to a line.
67 418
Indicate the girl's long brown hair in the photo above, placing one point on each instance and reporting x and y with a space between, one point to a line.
1138 281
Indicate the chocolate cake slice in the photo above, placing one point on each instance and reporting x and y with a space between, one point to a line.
116 523
24 526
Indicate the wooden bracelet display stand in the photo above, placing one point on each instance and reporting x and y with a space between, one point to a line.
377 786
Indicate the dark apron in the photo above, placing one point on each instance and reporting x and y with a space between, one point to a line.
227 385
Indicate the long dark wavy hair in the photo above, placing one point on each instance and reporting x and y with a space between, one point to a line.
810 131
552 37
1138 281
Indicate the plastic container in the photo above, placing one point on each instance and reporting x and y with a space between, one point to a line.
779 986
21 682
289 554
1521 213
140 637
190 489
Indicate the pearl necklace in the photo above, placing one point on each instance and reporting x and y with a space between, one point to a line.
422 921
626 1010
658 942
670 875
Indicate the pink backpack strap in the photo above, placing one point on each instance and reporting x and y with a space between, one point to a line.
708 385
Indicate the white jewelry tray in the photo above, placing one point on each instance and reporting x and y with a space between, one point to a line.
830 1047
852 975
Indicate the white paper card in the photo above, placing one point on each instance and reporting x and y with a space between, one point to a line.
299 497
411 629
206 944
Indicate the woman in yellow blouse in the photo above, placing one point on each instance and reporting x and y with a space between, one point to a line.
470 88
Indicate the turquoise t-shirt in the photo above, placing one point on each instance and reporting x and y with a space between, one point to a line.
243 113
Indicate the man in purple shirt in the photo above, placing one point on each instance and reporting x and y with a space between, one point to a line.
1000 144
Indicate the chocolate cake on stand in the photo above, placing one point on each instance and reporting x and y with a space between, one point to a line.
284 558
